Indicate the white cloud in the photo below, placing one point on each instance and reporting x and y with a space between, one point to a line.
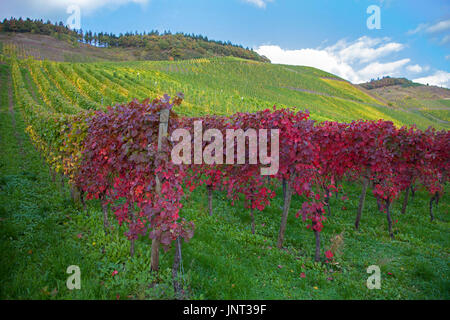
445 39
321 59
364 49
440 26
38 8
377 69
418 29
414 68
439 78
259 3
355 61
90 5
434 31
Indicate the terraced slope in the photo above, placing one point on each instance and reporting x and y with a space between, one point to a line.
429 101
211 86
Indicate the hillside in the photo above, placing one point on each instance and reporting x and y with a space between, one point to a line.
228 85
166 47
224 85
217 85
429 101
58 42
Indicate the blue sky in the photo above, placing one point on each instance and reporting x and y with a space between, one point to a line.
413 41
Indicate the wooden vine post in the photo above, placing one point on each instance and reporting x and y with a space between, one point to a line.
209 188
362 199
177 286
163 127
405 199
287 191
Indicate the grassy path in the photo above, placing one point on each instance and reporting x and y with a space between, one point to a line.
34 239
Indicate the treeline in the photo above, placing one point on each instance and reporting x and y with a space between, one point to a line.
388 81
157 46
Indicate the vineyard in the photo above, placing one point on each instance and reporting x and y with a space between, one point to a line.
377 185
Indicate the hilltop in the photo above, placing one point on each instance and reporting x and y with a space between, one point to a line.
387 82
431 101
59 43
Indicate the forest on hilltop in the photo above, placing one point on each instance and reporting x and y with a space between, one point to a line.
157 46
387 82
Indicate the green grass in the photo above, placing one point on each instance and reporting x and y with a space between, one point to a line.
42 232
224 253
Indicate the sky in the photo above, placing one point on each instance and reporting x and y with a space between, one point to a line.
357 40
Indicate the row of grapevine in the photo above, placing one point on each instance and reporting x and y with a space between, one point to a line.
51 96
120 161
134 85
107 95
83 86
68 88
